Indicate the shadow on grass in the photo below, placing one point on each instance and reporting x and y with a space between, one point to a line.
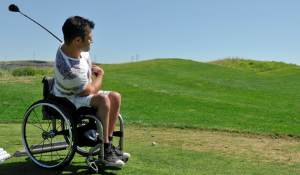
29 167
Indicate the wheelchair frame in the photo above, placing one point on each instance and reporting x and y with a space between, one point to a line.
41 125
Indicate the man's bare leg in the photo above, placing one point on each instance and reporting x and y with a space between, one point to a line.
115 104
102 103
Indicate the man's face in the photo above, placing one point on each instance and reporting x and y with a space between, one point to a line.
85 47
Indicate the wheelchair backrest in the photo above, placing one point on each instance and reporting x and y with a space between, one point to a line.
48 85
60 101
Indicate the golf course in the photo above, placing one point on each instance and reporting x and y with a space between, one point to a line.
230 116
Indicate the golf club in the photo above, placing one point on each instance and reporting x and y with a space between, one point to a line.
14 8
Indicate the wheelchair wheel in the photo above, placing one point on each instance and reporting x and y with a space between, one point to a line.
44 137
82 150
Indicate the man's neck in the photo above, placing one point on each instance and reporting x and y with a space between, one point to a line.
70 51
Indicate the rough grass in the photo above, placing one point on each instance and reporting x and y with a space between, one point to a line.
252 65
177 152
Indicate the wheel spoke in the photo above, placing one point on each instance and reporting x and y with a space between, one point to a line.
41 128
31 149
45 138
37 118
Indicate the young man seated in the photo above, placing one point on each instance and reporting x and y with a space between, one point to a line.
74 80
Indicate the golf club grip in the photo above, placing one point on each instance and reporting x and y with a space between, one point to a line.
42 27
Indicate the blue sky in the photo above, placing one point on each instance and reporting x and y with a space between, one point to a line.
200 30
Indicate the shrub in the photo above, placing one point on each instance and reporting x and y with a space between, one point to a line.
17 72
29 71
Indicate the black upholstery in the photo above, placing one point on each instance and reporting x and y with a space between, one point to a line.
48 86
61 101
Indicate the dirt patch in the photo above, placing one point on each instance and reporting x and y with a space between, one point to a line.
229 144
12 79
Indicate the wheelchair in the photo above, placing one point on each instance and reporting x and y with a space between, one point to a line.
52 131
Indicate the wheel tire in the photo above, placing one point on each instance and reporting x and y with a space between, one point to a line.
44 138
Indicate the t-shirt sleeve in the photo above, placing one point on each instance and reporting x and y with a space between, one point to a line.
81 81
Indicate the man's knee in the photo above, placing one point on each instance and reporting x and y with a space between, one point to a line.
115 98
100 101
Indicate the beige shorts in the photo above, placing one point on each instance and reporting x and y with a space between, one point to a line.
86 100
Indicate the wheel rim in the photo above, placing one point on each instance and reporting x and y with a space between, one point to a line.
43 138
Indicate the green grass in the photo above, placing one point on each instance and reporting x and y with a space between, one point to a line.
175 93
146 159
252 65
187 94
17 96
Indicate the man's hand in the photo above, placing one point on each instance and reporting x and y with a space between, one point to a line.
93 87
96 71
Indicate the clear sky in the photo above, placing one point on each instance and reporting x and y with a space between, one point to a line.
200 30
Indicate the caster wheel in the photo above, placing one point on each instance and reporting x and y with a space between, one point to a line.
93 171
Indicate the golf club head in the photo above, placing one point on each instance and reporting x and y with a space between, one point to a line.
13 8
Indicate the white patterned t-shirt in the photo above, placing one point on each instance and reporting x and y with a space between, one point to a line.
71 74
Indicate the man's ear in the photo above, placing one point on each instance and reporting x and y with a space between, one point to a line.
78 40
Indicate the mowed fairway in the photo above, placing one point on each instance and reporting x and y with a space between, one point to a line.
188 94
204 118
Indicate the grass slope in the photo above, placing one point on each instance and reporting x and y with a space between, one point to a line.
186 94
189 94
183 94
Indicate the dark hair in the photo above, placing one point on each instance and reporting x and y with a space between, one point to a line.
75 26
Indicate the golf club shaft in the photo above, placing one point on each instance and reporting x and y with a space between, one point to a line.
47 31
41 26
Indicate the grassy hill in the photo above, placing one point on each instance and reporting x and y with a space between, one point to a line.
252 65
186 94
182 98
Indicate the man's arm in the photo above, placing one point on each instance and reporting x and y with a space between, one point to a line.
94 87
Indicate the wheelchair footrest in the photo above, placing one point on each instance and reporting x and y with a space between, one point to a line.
47 147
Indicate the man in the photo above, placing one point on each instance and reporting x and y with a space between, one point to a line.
74 79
